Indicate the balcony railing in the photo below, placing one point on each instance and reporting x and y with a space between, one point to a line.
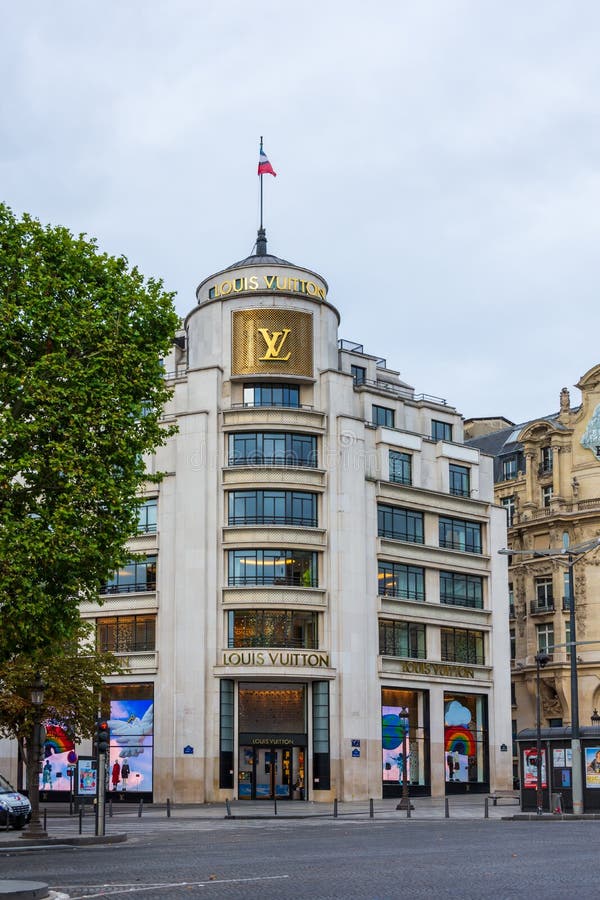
303 521
293 580
539 607
254 641
471 602
289 459
399 594
139 587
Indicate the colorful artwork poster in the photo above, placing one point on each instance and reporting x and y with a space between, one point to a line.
131 725
394 726
59 758
592 767
558 758
460 744
530 758
87 778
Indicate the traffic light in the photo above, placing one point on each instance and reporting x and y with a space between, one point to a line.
103 736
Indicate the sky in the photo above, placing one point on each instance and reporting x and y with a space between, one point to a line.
438 163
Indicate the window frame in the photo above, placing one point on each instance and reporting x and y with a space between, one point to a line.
452 652
273 507
383 416
412 576
470 597
272 398
400 467
396 514
407 640
272 448
271 624
471 542
459 480
441 431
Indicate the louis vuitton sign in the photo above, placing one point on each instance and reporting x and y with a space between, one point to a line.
271 342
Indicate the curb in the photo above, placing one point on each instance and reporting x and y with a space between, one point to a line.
79 840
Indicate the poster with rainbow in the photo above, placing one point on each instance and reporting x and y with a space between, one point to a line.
59 757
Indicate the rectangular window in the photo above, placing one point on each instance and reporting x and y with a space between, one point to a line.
511 601
405 639
320 723
461 645
509 505
461 590
147 517
226 733
544 593
272 567
545 638
359 374
460 480
568 639
513 694
273 508
546 461
271 395
135 575
272 449
399 524
547 495
509 468
272 628
398 580
400 467
384 416
126 634
457 534
441 431
513 644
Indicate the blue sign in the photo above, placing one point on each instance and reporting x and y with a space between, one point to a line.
188 750
355 742
355 753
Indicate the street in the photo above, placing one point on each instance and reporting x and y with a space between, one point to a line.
320 859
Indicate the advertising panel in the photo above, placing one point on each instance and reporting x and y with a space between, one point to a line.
530 768
131 725
592 767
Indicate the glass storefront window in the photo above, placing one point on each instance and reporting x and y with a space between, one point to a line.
465 739
404 726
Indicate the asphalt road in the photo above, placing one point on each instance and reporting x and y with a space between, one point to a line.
319 859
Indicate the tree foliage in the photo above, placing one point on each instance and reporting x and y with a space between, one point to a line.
81 394
73 674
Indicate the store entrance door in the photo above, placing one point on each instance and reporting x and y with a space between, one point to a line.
270 772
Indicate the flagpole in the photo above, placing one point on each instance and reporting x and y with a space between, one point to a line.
261 189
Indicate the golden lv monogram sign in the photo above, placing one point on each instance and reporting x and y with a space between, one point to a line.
274 341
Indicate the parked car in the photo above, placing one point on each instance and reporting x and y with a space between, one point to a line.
15 808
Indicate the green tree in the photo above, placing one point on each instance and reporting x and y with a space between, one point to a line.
81 395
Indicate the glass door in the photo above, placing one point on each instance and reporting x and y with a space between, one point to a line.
270 772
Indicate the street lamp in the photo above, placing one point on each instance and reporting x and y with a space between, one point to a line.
541 659
405 802
595 718
573 555
34 828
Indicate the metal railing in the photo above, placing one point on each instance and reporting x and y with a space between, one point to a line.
451 600
303 521
289 460
293 580
539 607
138 587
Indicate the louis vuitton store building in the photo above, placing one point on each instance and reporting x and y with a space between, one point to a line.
322 606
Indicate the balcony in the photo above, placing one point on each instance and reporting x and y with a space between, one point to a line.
304 579
541 607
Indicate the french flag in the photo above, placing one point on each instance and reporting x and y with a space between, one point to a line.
264 166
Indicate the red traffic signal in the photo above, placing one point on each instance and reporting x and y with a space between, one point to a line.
103 736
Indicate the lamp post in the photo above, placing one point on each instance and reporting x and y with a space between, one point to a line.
405 802
34 754
541 660
573 555
595 718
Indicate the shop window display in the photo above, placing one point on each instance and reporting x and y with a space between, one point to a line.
465 739
403 715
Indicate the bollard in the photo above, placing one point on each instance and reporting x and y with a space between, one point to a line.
447 808
335 815
110 808
408 807
275 805
45 817
486 809
168 808
80 819
140 807
371 811
228 808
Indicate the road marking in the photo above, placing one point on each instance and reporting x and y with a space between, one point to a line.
132 888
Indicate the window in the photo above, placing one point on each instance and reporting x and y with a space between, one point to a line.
359 373
461 590
270 448
547 495
402 639
509 468
399 524
509 505
456 534
273 567
400 467
545 638
461 645
513 644
135 575
544 596
513 694
272 628
511 601
566 604
126 634
273 508
382 415
568 639
397 580
460 480
545 460
147 517
441 431
271 395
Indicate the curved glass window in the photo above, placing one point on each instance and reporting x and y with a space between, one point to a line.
136 575
273 567
272 628
273 508
269 448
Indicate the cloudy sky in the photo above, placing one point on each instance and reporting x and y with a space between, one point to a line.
438 163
